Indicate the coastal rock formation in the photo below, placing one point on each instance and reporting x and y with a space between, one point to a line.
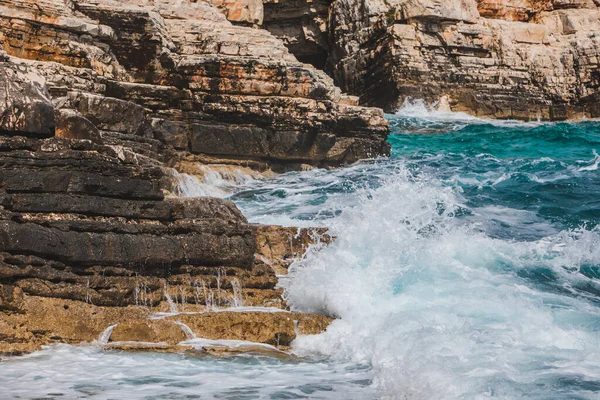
99 101
178 79
489 67
530 59
90 236
302 25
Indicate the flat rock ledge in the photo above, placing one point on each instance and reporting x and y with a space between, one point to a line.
202 310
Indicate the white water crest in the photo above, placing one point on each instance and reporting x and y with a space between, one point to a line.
442 311
213 181
437 117
594 166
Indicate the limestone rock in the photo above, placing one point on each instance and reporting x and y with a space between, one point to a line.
98 101
302 25
545 68
3 55
181 74
241 11
148 331
72 125
279 246
449 10
276 329
520 10
25 105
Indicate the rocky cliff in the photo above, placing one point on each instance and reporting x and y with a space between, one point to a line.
176 80
89 240
98 102
503 59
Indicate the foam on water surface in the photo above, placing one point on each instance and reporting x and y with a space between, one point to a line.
67 372
441 310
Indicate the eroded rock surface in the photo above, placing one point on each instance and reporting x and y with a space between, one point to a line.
529 59
90 236
180 78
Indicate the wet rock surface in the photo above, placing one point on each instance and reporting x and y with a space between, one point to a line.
91 236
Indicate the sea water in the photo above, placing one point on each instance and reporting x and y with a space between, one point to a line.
465 266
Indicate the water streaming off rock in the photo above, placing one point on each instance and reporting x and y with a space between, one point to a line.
465 266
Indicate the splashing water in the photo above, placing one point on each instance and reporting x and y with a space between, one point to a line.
441 310
465 266
189 334
215 181
105 335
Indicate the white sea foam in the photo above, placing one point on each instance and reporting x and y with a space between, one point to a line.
441 310
594 166
67 372
213 181
437 116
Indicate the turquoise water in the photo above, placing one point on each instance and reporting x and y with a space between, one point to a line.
549 169
465 266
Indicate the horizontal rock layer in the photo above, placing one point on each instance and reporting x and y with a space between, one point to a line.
173 78
90 235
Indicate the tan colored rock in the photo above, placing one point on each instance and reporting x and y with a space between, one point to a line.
148 331
276 329
453 10
241 11
72 125
568 22
42 321
100 99
208 87
153 347
544 68
279 247
513 10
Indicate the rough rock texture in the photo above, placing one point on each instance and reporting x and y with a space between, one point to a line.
243 12
302 25
178 79
546 68
27 105
99 99
89 237
524 59
279 247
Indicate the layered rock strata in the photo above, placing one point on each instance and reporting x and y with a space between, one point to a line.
90 237
202 89
501 59
99 99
